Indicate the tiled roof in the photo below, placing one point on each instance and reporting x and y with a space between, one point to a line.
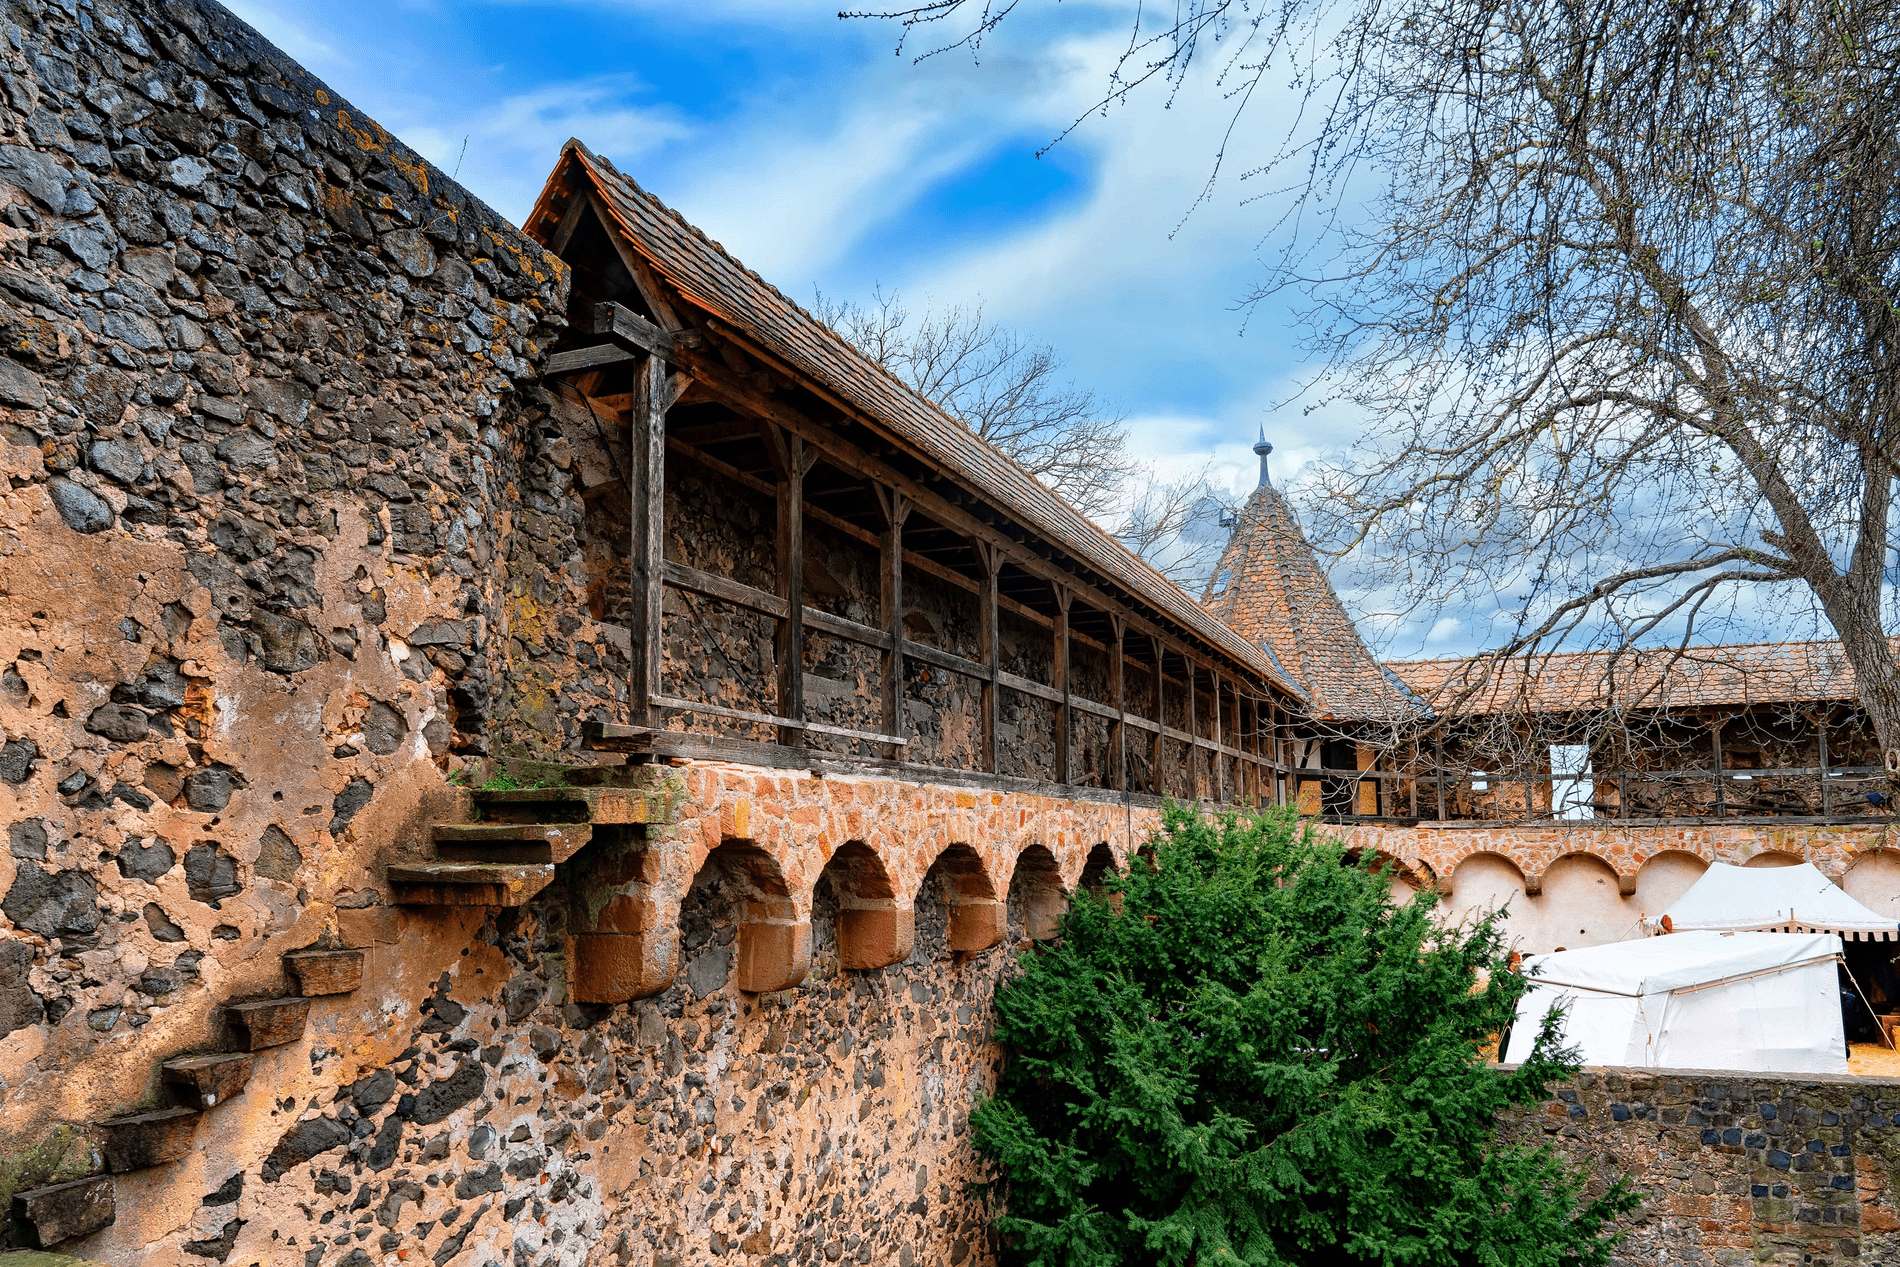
1699 677
1269 588
710 278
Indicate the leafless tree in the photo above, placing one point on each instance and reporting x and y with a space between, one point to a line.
1619 281
1004 388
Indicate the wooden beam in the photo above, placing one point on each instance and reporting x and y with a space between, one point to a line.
791 458
643 279
1158 760
570 221
1220 766
1118 733
623 325
648 512
896 508
1194 729
991 561
1063 596
579 360
767 719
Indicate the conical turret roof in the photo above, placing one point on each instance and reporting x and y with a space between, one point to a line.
1270 589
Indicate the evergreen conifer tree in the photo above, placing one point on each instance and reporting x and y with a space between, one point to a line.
1245 1052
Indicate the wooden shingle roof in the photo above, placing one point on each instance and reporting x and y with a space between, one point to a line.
1735 675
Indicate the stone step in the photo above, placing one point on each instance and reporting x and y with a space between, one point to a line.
153 1137
206 1081
325 971
535 805
510 842
264 1023
61 1211
468 883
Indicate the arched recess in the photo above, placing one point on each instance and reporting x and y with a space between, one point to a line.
1664 878
1101 861
1773 858
1405 879
1484 882
1873 880
738 924
1036 899
1580 903
956 907
872 931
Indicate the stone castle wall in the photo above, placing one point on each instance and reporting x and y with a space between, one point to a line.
1737 1168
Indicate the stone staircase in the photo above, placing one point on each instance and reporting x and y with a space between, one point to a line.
504 859
194 1085
510 854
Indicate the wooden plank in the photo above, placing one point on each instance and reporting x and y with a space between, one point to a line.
1193 733
648 553
896 508
588 358
737 593
771 719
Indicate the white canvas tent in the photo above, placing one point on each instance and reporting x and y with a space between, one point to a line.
1767 1002
1798 899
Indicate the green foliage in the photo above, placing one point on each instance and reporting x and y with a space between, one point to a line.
1247 1053
500 782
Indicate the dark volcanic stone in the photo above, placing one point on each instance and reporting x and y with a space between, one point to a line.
79 508
120 723
60 904
140 861
210 873
16 759
349 802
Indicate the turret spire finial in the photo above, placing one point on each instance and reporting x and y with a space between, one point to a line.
1263 448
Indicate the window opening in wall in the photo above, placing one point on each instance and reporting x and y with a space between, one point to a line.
1571 788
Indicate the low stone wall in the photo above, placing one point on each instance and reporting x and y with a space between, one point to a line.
1736 1167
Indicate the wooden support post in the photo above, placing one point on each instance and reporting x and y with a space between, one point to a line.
648 511
1194 732
1438 750
1158 760
1715 741
1827 793
1118 736
1214 754
991 560
896 508
1064 715
791 459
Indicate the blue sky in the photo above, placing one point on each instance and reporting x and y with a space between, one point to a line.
824 160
